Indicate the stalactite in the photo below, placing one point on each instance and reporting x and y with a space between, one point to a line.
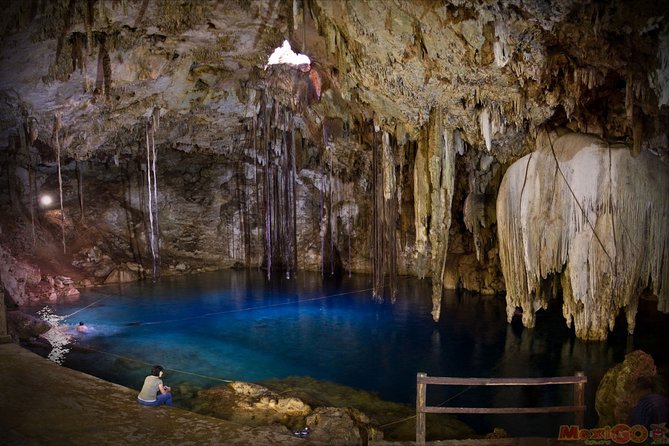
152 191
331 211
293 180
486 128
349 228
421 197
77 53
26 145
99 76
238 201
243 210
141 12
255 178
501 45
389 222
101 10
106 69
377 283
287 215
155 117
629 101
442 179
80 188
266 191
384 217
279 194
56 131
277 223
350 255
322 230
32 184
150 201
69 15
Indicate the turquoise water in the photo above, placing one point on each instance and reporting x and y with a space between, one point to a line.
235 325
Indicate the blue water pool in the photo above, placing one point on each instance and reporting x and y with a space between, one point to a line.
235 325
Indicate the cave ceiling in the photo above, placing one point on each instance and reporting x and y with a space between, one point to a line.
502 68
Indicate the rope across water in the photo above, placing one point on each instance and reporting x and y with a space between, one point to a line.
216 313
237 310
260 307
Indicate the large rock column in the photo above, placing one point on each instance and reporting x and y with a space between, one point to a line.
595 217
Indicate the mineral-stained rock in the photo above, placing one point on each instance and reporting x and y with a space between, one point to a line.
616 397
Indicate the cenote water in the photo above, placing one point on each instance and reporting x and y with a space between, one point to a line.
235 325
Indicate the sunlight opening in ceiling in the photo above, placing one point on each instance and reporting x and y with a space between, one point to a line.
285 55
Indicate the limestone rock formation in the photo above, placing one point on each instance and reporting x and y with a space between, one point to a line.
616 397
594 216
345 426
254 405
162 136
17 277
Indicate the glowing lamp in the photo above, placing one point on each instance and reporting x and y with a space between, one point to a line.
46 200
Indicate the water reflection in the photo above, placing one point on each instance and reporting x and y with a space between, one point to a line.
236 325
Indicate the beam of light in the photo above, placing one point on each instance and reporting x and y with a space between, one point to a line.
285 55
46 200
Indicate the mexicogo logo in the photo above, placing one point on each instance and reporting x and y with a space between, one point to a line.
618 434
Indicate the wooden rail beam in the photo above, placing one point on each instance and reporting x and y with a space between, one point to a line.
422 380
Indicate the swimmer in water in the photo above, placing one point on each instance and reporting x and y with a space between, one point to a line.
82 328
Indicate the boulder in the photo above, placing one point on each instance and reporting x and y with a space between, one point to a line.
339 425
17 277
25 327
617 394
252 404
122 274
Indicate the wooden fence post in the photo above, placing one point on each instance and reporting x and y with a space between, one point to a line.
420 406
579 400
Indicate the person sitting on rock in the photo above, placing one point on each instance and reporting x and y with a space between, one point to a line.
154 392
651 408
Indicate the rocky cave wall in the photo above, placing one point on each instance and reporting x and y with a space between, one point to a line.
384 155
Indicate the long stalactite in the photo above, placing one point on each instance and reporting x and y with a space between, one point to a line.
441 167
56 141
151 126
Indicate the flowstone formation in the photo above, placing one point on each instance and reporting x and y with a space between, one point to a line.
592 215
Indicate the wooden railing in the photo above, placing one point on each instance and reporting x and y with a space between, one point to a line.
422 380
